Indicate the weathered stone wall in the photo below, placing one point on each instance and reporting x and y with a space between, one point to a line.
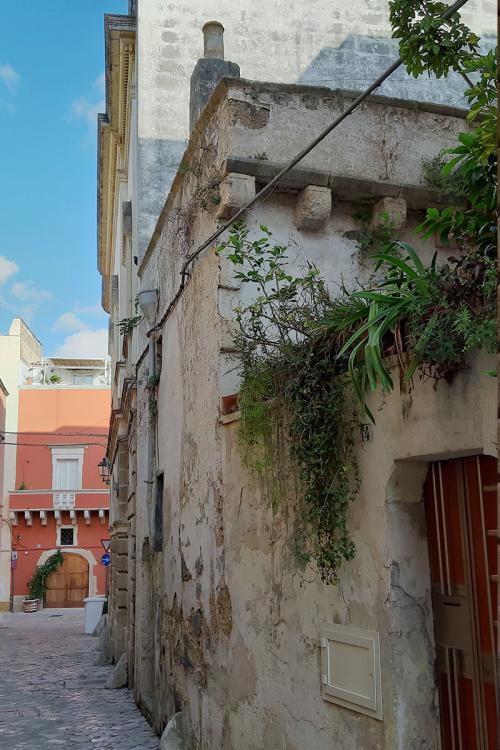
227 629
346 45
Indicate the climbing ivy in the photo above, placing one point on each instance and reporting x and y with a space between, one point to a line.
37 584
306 359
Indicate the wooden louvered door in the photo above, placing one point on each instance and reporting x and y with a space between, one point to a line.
69 584
461 513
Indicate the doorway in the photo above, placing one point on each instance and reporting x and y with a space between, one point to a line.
462 522
68 586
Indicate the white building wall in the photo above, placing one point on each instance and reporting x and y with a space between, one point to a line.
338 45
18 349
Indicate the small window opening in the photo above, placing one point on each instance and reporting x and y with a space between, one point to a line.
67 537
158 527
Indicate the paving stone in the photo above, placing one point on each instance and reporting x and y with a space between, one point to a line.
59 693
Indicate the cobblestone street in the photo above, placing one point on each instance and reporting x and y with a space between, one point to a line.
52 695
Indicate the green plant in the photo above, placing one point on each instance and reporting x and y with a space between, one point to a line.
302 354
431 318
127 325
55 378
373 238
428 45
37 584
449 183
296 424
22 486
151 385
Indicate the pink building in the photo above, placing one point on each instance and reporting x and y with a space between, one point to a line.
59 500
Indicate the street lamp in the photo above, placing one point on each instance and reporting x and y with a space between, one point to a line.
147 300
103 468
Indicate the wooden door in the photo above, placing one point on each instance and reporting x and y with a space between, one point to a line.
462 523
69 584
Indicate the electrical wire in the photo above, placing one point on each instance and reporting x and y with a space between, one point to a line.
56 434
49 445
266 191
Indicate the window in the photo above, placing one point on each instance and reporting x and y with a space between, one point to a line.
67 467
67 470
158 527
66 536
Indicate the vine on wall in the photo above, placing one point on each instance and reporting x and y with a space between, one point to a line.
307 359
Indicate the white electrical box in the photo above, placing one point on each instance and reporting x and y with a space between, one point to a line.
350 667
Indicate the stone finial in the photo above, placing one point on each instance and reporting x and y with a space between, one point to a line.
235 192
213 40
313 208
394 208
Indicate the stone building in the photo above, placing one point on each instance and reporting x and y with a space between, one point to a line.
222 635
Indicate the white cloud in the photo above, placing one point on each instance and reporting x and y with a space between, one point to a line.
7 269
9 77
89 309
27 291
31 297
100 83
83 109
87 109
68 321
85 344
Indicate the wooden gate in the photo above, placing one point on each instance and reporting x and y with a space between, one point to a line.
69 584
461 513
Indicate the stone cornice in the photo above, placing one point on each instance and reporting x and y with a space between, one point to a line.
113 137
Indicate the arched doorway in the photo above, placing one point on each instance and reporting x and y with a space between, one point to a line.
69 584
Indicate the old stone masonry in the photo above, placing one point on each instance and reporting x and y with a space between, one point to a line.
51 693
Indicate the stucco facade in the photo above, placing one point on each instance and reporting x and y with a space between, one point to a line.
60 423
19 348
206 600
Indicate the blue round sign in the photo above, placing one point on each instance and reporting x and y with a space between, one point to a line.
105 558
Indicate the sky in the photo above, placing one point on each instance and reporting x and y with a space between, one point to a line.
51 89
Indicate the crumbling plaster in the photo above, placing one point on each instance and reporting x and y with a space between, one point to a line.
229 621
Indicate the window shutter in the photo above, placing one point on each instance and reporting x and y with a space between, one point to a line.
67 474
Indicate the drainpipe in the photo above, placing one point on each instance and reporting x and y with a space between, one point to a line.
151 432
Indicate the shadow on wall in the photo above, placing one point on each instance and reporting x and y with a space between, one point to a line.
159 161
359 60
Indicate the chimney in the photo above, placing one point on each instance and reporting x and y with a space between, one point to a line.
209 70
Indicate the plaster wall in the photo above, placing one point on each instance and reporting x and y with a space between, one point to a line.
349 48
36 543
227 627
18 349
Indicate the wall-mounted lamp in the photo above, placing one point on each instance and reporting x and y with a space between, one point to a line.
148 302
103 468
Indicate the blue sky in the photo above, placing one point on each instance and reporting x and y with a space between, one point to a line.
51 88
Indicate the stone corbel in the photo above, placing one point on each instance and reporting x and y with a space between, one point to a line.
28 518
102 515
57 516
236 190
72 516
313 208
86 515
43 518
394 208
13 518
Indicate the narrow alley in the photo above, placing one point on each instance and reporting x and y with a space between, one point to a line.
52 695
